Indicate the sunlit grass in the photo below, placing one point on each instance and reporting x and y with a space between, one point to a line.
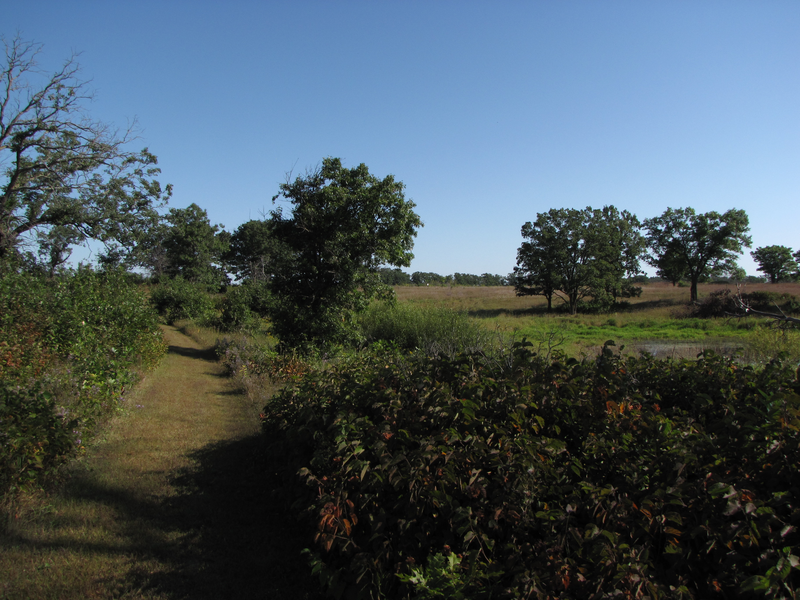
659 315
171 502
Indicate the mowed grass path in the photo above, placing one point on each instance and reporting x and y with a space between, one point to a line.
174 502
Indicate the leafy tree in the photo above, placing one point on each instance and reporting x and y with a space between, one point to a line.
344 225
427 278
253 251
62 170
394 276
575 254
776 262
466 279
618 246
670 265
194 247
703 243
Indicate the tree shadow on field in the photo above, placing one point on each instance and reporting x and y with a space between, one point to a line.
490 313
207 354
238 539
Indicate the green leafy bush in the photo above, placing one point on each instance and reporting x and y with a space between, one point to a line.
177 299
245 306
434 331
552 478
70 348
35 436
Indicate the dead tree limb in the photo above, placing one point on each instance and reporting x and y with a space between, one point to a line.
782 320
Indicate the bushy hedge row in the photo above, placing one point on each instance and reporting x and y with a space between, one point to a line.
69 348
435 331
630 477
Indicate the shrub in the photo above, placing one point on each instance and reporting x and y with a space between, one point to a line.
177 299
624 477
769 301
70 347
434 331
244 306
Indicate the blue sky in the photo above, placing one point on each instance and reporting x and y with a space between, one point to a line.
489 112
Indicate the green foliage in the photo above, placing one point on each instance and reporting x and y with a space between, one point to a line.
253 251
245 305
770 301
345 224
426 278
551 478
177 299
193 247
35 436
776 262
394 276
484 279
765 343
575 254
434 331
70 348
686 244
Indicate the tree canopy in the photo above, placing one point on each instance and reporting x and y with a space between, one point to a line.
254 251
701 243
344 225
574 254
193 247
776 262
63 171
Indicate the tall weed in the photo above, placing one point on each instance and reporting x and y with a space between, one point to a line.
767 343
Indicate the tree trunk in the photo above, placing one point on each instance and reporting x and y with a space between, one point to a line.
693 291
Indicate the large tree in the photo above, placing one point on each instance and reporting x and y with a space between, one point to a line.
61 169
574 254
193 247
776 262
254 251
702 243
344 225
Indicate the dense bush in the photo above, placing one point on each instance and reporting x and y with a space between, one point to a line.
69 348
770 301
721 303
434 331
629 477
245 306
177 299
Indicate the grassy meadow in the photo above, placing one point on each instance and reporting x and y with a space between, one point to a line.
658 322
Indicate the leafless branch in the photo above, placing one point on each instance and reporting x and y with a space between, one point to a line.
744 309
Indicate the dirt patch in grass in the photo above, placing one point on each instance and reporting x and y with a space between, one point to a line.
175 502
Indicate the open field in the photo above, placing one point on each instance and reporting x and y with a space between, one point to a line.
656 322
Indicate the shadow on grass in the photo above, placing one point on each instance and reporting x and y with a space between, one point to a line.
224 534
207 354
560 309
238 538
490 313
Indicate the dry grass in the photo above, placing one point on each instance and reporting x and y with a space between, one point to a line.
653 315
173 503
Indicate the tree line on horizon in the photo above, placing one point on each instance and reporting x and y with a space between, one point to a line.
342 241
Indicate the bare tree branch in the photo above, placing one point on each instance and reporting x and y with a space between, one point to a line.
744 308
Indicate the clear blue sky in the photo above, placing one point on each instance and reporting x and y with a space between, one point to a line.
489 112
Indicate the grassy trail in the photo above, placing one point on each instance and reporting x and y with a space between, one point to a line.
173 503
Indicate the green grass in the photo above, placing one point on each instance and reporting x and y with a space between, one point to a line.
659 315
174 501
